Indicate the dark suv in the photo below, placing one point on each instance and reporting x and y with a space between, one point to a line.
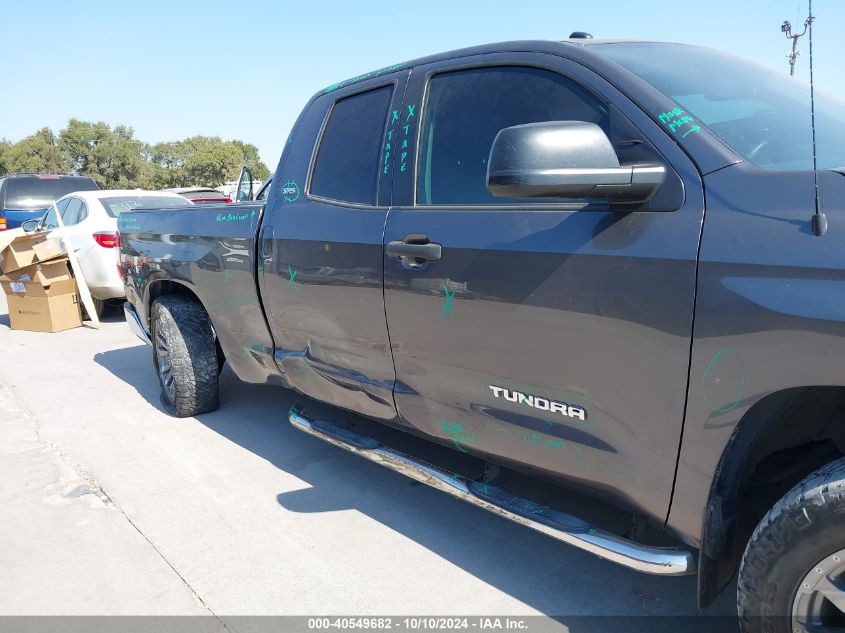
28 196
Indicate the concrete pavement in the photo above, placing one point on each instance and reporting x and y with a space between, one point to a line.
112 506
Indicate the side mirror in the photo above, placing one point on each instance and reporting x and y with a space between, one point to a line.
244 191
30 225
566 159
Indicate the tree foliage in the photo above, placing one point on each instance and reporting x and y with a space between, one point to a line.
4 155
110 157
115 159
36 153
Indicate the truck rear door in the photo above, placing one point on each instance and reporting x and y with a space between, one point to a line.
529 331
321 249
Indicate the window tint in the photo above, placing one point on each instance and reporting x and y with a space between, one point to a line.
39 192
347 161
465 110
71 213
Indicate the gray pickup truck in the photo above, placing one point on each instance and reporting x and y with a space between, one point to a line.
616 266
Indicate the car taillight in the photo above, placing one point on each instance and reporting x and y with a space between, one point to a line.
3 225
107 239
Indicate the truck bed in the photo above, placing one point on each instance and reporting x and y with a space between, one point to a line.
208 251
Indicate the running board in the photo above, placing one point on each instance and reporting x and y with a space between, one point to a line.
559 525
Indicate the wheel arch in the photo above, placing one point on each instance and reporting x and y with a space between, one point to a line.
780 440
162 287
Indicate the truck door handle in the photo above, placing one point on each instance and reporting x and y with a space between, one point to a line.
416 251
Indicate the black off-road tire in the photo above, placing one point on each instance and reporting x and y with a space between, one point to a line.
185 356
804 528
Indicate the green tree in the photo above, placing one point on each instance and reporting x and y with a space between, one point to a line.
250 159
210 162
4 156
115 159
36 153
111 157
165 166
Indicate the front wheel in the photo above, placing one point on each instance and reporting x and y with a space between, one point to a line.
185 356
792 575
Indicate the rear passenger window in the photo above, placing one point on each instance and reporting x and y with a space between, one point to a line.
70 215
466 109
347 162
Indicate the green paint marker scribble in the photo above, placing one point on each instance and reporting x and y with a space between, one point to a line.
725 353
292 277
227 276
675 119
448 307
457 434
410 111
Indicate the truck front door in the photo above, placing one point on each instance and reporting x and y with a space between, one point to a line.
321 249
541 333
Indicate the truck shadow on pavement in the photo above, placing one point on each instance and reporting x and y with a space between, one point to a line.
546 575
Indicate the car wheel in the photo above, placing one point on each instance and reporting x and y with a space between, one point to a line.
792 575
100 307
185 356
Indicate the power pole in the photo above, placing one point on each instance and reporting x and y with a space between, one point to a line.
786 29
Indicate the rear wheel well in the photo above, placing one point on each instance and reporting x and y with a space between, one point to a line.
166 287
781 440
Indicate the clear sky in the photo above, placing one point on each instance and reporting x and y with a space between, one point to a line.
172 69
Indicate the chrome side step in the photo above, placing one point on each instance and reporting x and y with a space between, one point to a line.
559 525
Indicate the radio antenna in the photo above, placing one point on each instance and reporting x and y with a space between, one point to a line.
819 218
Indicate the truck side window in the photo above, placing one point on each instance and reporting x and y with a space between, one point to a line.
465 110
346 168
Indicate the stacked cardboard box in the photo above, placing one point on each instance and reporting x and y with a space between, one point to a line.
40 290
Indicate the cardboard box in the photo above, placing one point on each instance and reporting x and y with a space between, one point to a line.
46 273
29 249
37 308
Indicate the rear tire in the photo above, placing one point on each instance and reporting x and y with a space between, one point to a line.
100 306
185 356
792 575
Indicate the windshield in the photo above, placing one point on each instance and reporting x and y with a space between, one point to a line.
762 115
115 205
39 192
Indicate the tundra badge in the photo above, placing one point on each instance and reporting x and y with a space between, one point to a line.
539 402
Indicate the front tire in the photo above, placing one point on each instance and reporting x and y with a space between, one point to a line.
792 575
185 356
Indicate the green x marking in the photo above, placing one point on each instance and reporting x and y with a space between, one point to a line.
410 112
292 275
448 307
395 116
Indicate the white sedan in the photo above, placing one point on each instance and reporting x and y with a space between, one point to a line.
90 219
